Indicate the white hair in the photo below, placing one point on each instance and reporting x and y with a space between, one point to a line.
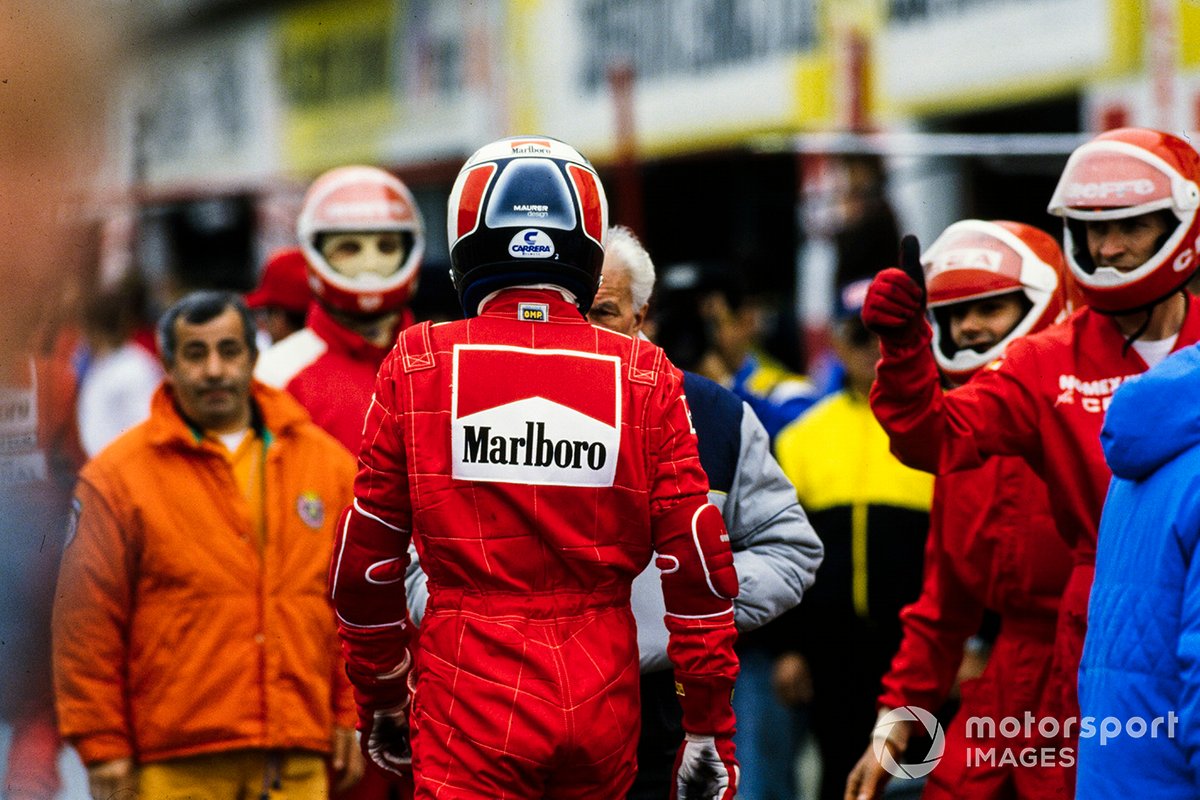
622 244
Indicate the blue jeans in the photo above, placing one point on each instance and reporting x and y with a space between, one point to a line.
768 732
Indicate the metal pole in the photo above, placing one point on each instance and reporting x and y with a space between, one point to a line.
628 177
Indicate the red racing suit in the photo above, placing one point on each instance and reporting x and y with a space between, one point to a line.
1043 400
330 369
536 464
991 545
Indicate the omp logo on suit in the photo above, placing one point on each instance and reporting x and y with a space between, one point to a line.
546 417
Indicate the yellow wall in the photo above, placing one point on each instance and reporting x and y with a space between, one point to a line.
1189 32
336 64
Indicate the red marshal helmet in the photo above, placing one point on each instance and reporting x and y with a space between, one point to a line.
1125 173
526 210
974 259
361 199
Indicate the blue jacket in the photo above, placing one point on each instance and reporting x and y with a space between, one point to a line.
776 396
1141 658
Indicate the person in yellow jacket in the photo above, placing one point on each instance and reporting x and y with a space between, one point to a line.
195 648
872 514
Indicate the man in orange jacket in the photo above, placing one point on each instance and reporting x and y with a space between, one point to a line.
194 647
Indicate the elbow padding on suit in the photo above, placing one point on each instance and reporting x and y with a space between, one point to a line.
695 562
366 583
366 575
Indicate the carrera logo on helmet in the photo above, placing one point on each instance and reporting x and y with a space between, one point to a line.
531 243
1106 189
968 258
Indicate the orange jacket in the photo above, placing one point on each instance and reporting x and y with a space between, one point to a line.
173 635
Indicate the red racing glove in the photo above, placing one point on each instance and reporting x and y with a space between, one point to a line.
895 304
706 769
699 582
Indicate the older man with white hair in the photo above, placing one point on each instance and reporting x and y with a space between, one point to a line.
775 549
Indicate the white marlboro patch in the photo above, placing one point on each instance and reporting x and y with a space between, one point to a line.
542 417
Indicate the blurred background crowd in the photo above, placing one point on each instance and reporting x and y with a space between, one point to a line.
767 152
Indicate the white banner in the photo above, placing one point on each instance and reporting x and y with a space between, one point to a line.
968 52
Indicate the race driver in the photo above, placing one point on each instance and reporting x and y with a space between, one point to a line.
536 462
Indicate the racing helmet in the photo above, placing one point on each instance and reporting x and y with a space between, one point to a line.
975 259
526 210
361 199
1120 174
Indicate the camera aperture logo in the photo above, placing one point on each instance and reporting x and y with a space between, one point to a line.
884 728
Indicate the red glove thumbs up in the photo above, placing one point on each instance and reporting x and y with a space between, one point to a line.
895 304
910 262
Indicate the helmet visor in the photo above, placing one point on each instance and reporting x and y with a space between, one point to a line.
365 256
968 263
1112 180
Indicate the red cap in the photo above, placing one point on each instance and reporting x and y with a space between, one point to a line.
284 283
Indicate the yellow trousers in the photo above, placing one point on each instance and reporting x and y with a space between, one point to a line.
236 775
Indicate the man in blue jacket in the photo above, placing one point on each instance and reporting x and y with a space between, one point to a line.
775 549
1139 681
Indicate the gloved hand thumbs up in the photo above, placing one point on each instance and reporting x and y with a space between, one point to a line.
895 304
910 262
